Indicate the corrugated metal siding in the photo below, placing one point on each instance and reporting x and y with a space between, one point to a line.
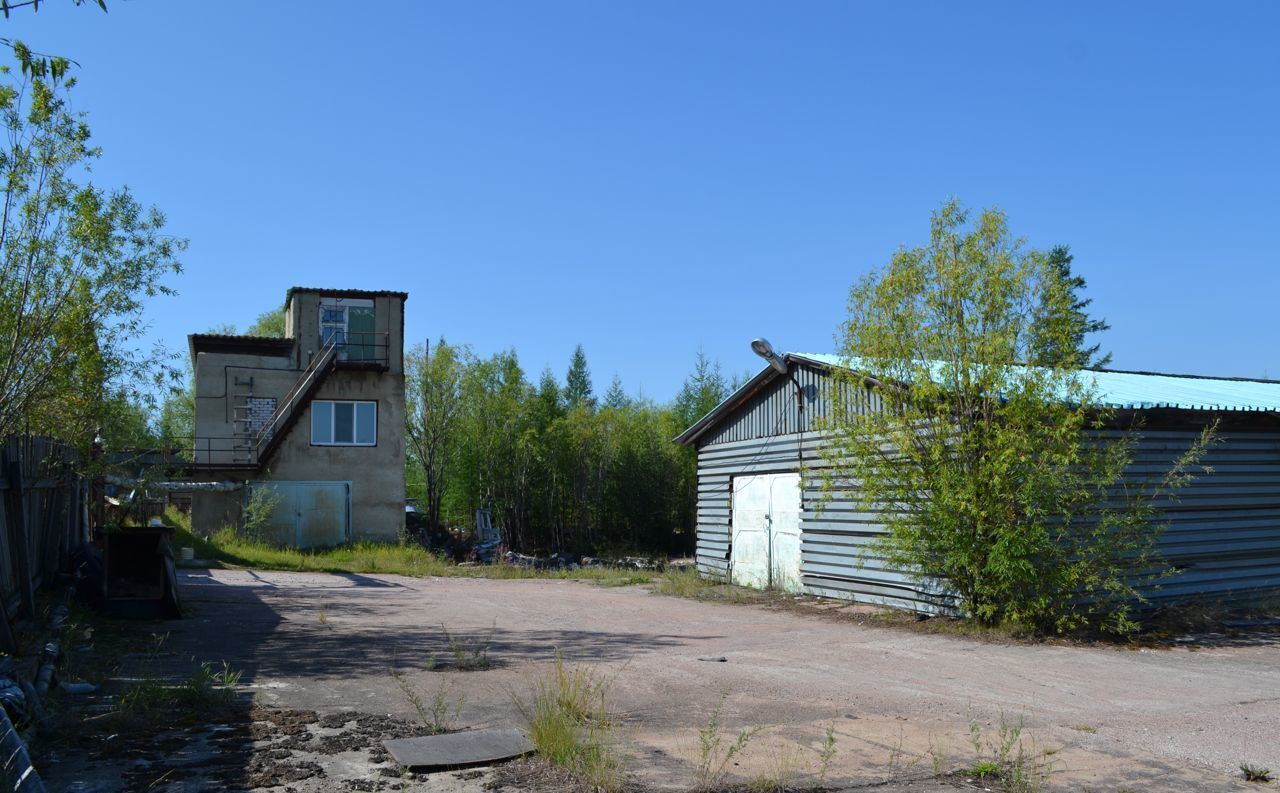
773 411
1224 530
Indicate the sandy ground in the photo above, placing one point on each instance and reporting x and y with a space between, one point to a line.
898 701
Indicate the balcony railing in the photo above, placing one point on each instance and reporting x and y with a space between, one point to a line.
220 452
369 349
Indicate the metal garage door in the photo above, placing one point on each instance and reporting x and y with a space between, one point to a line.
765 550
308 514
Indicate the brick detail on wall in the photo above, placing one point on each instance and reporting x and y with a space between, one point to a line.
259 410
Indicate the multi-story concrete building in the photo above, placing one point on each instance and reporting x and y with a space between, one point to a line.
315 420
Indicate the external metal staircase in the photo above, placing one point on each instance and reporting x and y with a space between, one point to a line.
292 405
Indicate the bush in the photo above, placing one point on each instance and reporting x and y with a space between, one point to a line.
989 476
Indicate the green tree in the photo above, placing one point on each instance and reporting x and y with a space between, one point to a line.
77 263
1063 321
577 388
702 390
7 6
433 390
989 476
269 323
177 421
616 397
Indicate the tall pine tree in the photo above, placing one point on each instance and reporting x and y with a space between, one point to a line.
1066 311
577 387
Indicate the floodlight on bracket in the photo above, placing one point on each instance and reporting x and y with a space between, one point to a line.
764 349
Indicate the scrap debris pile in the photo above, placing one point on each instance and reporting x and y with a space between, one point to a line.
485 546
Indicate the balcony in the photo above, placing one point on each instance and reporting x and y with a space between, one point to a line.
361 350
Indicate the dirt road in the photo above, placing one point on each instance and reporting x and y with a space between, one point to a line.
899 701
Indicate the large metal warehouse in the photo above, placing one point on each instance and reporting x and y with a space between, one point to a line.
761 522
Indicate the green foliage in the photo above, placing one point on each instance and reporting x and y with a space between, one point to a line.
716 752
1005 758
1255 773
77 263
577 387
558 472
470 653
177 420
230 547
995 480
434 409
441 713
1063 321
6 6
569 725
258 512
703 389
616 397
269 323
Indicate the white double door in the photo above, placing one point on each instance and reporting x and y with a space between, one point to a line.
765 549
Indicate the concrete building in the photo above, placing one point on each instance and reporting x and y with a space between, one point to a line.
761 521
315 420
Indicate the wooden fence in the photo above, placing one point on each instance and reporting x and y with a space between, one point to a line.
43 520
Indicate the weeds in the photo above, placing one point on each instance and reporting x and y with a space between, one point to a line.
1254 773
570 727
625 580
783 773
259 511
714 754
828 753
686 582
207 686
441 713
1004 759
470 653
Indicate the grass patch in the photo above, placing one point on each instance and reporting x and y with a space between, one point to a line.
208 686
685 582
570 726
227 547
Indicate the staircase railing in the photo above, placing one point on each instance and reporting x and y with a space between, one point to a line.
269 436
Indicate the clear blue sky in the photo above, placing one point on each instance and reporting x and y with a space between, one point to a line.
649 178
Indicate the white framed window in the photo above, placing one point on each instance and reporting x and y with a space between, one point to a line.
343 423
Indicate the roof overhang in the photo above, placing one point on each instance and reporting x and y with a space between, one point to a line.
1148 393
347 293
274 346
740 396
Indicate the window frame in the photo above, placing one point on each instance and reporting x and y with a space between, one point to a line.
342 328
355 422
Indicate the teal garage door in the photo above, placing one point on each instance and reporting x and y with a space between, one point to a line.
305 514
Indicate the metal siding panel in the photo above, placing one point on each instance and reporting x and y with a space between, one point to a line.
1224 530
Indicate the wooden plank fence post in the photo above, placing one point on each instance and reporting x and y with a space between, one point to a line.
20 545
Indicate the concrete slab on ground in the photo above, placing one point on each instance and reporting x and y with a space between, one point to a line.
459 749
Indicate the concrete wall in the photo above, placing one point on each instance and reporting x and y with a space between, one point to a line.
302 323
376 473
215 381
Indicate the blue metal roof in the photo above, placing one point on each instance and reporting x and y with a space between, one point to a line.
1149 390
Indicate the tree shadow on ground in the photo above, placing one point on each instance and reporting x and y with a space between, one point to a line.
367 627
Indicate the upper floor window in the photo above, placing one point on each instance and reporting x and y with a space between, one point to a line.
335 423
348 322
